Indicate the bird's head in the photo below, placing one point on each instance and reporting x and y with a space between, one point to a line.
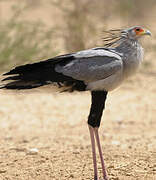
116 36
135 32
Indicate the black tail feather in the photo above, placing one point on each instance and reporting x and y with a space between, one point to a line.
11 78
19 85
38 74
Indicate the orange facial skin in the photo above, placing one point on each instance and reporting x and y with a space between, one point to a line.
139 31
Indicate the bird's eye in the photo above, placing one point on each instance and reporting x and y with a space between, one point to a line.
137 29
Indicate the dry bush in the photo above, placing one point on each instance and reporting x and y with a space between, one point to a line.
80 27
84 19
23 41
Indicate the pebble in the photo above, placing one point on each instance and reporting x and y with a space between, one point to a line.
32 151
116 143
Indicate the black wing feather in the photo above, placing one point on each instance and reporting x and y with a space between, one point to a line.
41 73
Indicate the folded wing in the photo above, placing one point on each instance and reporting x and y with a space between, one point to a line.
92 65
72 70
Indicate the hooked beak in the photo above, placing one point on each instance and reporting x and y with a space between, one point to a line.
147 32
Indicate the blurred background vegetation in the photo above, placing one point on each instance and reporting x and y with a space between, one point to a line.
38 29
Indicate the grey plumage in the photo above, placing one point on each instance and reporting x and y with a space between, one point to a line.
106 68
92 65
102 68
99 70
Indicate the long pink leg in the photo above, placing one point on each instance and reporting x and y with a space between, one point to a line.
100 153
91 130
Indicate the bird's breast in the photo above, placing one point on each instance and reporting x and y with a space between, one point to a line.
107 84
132 61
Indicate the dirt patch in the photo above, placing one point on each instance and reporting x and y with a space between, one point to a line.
55 124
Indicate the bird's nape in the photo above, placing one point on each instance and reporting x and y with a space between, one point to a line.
114 37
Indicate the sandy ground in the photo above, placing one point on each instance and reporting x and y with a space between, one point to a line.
56 125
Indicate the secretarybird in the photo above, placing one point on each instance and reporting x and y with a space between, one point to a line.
98 70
